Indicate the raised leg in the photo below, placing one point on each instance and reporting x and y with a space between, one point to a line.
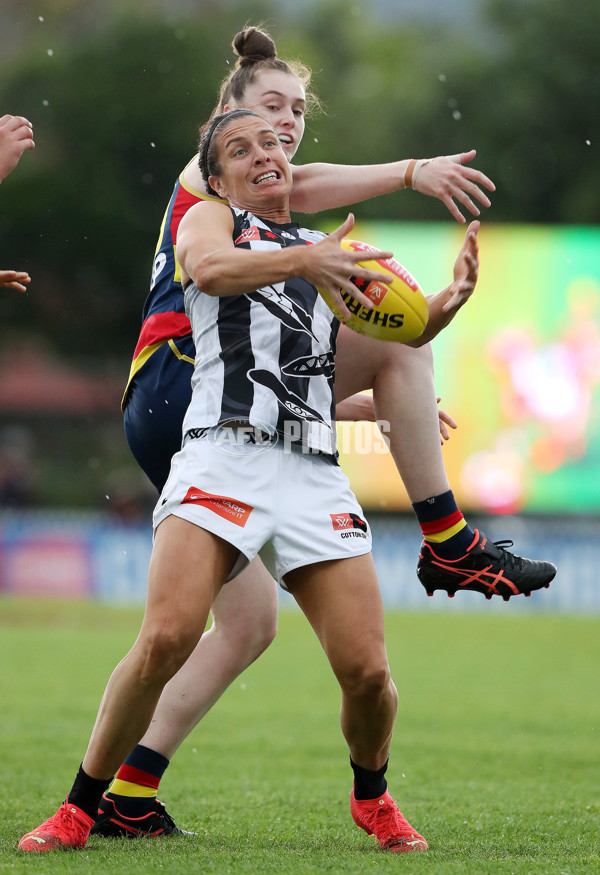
402 380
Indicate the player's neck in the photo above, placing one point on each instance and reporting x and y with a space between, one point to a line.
279 213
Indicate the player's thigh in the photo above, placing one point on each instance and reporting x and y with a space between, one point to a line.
342 601
247 605
187 570
359 360
356 363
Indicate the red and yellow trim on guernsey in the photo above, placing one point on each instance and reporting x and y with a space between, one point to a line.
168 326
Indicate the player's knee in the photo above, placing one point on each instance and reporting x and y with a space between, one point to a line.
367 680
249 636
162 652
248 628
264 634
410 359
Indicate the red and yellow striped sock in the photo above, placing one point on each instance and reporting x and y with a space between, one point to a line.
136 783
443 524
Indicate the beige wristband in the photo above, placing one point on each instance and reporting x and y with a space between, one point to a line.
421 163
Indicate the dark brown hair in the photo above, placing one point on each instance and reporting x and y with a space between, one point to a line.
256 52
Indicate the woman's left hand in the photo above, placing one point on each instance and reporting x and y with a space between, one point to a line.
466 269
447 178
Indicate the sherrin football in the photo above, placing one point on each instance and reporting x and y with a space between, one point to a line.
400 310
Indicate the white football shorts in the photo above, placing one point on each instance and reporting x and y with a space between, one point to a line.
299 507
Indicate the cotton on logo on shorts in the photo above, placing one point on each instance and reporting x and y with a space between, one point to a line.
343 521
229 508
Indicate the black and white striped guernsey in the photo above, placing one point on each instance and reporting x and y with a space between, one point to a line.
267 357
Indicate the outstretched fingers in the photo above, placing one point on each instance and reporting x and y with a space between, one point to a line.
363 273
463 158
466 270
465 188
14 279
333 269
445 420
454 183
345 228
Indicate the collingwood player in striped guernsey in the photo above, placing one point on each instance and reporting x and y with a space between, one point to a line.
244 615
264 358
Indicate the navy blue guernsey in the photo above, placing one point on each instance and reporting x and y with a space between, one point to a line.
265 358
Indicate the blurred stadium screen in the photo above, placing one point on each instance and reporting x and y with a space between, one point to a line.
519 370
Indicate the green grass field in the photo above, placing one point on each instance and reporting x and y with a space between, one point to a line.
495 757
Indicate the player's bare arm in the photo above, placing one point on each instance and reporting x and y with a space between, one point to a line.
207 255
322 186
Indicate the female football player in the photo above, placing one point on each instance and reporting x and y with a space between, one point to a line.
453 556
227 497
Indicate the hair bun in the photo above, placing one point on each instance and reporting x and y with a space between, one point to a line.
253 45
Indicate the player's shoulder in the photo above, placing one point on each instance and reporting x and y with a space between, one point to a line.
209 211
191 178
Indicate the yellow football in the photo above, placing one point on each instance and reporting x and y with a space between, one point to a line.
400 310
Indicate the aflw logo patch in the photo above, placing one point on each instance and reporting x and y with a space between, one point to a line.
248 234
229 508
254 233
347 521
375 291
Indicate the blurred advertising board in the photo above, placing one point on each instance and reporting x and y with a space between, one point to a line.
73 556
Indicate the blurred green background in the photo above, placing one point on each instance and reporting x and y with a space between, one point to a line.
116 90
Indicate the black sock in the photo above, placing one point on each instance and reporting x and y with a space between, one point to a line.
86 792
368 784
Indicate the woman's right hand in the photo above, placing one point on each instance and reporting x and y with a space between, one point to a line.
16 135
329 268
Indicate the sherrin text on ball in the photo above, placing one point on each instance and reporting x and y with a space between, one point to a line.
400 311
